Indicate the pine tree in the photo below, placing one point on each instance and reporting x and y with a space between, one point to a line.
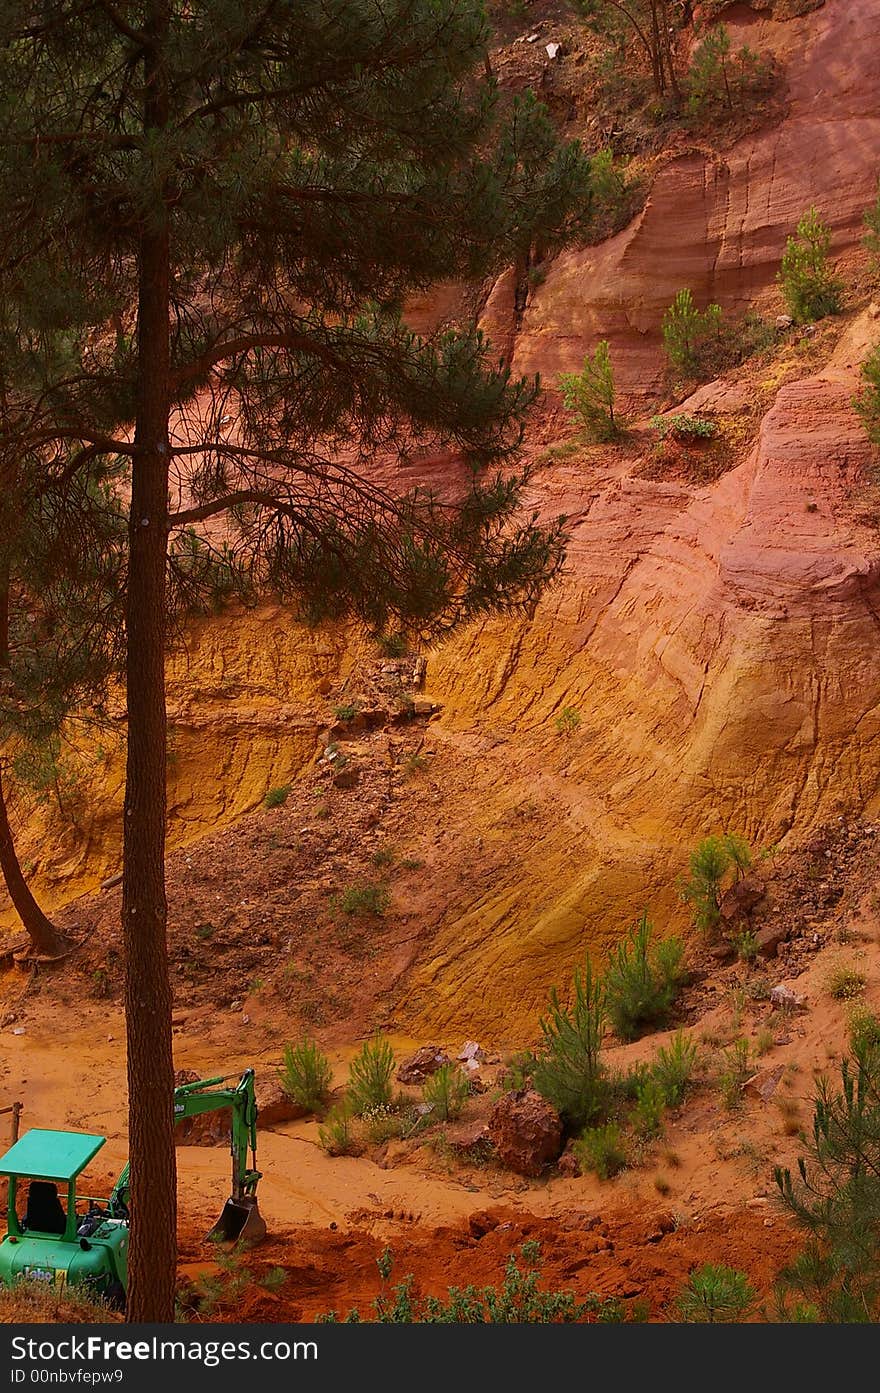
871 239
867 403
590 395
225 209
835 1198
810 289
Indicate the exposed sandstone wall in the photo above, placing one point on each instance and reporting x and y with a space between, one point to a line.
719 225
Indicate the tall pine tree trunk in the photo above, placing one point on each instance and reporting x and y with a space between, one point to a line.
153 1246
47 941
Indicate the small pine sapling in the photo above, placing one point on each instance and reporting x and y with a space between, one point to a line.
590 394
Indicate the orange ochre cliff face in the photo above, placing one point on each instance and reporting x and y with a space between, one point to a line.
718 640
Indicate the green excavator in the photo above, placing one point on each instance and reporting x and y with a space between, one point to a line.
83 1241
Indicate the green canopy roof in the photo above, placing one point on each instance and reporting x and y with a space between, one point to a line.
45 1155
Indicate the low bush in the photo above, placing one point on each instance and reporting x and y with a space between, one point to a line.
276 796
518 1301
674 1067
871 239
647 1115
864 1030
365 900
337 1135
845 983
684 427
601 1150
447 1091
736 1068
716 1294
568 721
306 1076
745 945
711 864
382 1123
642 981
370 1076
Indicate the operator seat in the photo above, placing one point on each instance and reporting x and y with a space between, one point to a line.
44 1210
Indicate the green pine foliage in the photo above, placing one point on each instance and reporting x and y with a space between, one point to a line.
834 1197
871 239
716 1294
233 204
447 1091
370 1076
589 395
714 864
811 291
720 80
867 403
569 1072
642 981
674 1066
601 1150
687 331
306 1076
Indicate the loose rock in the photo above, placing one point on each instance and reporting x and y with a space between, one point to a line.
526 1131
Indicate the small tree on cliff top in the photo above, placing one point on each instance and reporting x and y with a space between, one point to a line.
223 209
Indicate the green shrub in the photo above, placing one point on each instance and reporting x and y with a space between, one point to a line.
446 1090
337 1135
718 78
835 1197
306 1076
809 288
569 1072
393 645
370 1075
709 866
642 981
684 427
871 239
674 1066
867 403
601 1150
518 1301
845 982
568 721
364 900
736 1068
589 395
716 1294
346 712
647 1115
687 329
864 1030
276 796
746 945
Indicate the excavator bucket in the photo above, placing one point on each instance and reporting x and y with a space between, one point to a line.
240 1221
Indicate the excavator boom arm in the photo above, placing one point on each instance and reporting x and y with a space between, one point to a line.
210 1095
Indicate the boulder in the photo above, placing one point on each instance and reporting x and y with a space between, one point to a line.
787 999
769 939
419 1066
471 1051
273 1105
526 1131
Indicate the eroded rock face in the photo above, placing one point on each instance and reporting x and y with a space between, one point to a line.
526 1131
718 224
